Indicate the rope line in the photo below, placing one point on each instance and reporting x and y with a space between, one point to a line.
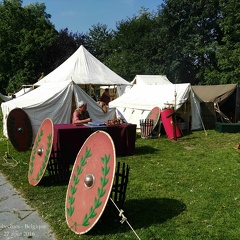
7 157
124 219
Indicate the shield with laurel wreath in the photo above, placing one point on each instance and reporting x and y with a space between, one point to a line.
90 183
41 152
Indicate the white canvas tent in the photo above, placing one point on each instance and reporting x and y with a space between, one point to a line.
141 99
146 80
53 101
151 80
83 68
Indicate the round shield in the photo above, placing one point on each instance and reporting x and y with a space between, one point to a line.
90 183
154 114
19 129
40 152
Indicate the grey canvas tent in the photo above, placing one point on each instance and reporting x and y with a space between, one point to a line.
219 103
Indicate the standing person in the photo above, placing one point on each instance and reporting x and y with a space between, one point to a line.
81 115
106 98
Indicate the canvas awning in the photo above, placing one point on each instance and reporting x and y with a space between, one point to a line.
214 93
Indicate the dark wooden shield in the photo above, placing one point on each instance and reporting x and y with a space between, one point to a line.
154 115
90 183
19 129
41 152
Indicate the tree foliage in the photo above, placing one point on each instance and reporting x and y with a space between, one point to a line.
97 41
65 45
26 38
228 51
189 41
131 49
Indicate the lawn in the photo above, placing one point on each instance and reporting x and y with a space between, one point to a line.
189 189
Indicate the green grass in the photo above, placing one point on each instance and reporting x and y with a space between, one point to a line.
189 189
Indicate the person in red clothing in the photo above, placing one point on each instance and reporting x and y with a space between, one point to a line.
106 98
81 115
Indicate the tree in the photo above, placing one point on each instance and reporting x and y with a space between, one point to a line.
26 39
65 45
228 50
131 47
97 40
191 33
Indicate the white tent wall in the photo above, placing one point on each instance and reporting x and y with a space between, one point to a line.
53 101
144 97
141 99
46 101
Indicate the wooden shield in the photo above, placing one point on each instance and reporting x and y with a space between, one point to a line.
154 114
19 129
41 152
90 183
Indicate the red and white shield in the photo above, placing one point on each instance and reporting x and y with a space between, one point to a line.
40 152
90 183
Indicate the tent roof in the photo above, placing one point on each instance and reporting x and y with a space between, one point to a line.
83 68
151 80
148 96
214 93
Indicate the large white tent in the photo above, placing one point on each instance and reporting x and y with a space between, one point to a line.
136 103
53 101
83 68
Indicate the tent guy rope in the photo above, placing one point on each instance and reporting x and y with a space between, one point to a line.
124 219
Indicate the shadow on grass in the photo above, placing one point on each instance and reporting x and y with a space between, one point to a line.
145 150
49 181
140 214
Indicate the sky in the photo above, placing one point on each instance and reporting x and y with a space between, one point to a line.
80 15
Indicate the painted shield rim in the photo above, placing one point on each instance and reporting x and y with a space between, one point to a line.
155 120
110 186
45 159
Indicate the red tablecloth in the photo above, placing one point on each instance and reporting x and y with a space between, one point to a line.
68 139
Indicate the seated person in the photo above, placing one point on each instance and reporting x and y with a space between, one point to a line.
81 115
